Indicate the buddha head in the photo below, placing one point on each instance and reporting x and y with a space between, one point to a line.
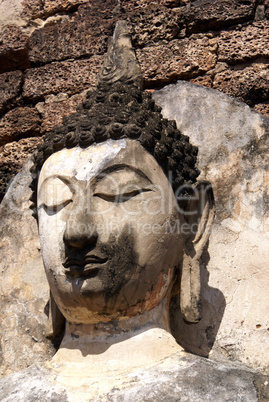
121 215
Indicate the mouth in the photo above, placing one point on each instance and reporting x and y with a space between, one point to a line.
83 267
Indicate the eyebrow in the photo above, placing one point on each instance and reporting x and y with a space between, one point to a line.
100 176
64 179
119 167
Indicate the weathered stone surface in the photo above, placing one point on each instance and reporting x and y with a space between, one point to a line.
70 77
261 385
120 63
23 12
233 142
262 108
204 80
188 378
24 289
32 9
13 50
42 8
232 146
19 123
59 5
73 37
250 85
10 14
56 107
200 16
177 60
10 89
260 12
249 330
237 46
266 13
151 24
231 136
12 157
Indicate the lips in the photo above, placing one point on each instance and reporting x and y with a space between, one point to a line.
88 266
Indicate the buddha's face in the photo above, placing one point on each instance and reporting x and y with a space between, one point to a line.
107 219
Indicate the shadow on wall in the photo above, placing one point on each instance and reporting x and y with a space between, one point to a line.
199 338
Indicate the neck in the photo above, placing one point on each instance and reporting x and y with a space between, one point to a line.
120 329
105 348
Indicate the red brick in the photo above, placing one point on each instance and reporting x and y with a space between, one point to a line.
13 50
179 59
68 76
249 85
10 89
19 123
251 42
204 15
83 34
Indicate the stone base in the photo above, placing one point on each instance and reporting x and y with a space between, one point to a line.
177 378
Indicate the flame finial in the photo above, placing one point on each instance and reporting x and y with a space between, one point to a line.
120 64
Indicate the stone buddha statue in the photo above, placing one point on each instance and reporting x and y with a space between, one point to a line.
123 222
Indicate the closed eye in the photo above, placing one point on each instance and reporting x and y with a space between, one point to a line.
121 183
119 198
54 194
54 209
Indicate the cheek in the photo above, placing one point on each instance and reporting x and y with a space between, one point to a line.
162 252
51 229
156 232
159 243
111 220
146 215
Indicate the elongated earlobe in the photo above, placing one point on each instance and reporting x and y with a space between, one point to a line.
199 216
190 291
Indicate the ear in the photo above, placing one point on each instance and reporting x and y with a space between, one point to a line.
56 321
199 216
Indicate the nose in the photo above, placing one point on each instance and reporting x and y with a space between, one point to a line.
80 231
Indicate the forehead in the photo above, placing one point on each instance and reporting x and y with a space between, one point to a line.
83 164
